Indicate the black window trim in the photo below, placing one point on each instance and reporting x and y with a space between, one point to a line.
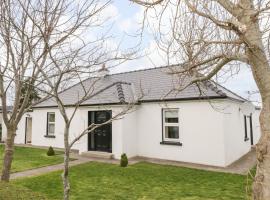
250 128
245 126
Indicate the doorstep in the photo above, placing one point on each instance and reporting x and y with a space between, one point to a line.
97 154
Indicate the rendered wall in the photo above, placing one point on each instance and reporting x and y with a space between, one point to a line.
201 132
256 126
78 125
211 132
234 133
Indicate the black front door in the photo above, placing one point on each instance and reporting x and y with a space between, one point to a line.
101 138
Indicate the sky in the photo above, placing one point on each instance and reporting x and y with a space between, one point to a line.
127 15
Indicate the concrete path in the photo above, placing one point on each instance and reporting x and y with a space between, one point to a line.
241 166
79 160
44 170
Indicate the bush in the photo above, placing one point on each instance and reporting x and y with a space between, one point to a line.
124 160
50 152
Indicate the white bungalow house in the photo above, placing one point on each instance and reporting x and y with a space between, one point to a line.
203 126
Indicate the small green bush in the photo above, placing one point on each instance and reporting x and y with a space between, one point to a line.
50 152
124 160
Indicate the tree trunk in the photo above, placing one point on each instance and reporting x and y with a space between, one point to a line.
8 154
261 185
261 72
66 164
255 51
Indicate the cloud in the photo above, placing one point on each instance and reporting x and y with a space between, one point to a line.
111 11
130 25
125 25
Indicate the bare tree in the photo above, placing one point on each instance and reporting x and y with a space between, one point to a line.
60 44
18 75
45 45
89 90
207 38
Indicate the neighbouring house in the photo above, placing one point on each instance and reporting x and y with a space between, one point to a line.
204 126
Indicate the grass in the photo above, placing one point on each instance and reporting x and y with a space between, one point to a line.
13 192
30 158
140 181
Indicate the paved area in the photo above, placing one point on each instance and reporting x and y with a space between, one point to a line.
44 170
79 160
242 166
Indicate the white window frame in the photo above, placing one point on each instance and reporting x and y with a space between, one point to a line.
166 124
49 123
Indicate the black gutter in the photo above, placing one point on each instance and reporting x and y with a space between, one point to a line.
142 101
185 99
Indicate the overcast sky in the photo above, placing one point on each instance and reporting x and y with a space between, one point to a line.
127 17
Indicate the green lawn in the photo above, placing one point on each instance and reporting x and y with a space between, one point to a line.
29 158
13 192
140 181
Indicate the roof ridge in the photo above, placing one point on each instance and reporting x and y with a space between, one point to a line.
225 88
120 92
214 88
138 70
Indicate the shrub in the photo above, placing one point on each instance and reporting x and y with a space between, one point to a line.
124 160
50 152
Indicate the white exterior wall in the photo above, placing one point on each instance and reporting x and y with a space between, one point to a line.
19 139
79 123
201 132
20 133
256 126
130 133
4 130
234 133
212 133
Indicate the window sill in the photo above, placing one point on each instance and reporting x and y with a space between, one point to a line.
171 143
49 136
246 139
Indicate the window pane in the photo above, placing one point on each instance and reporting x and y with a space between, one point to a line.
171 116
51 117
101 117
172 132
51 128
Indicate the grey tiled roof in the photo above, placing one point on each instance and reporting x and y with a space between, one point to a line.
148 85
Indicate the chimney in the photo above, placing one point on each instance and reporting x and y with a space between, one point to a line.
103 71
